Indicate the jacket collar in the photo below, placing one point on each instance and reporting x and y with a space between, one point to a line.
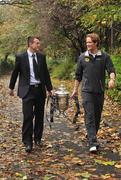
99 53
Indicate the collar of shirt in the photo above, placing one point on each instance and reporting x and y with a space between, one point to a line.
30 54
99 53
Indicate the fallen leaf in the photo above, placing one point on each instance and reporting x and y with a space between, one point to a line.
84 174
118 166
106 163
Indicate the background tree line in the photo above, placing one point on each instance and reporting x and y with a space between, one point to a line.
62 26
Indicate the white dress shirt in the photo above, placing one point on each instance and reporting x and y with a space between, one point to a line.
33 81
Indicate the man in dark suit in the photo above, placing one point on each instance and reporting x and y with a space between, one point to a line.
34 80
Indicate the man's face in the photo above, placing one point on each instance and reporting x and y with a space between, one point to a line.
91 46
35 45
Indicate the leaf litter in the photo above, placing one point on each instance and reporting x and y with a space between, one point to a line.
64 154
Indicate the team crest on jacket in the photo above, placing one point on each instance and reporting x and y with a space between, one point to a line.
87 58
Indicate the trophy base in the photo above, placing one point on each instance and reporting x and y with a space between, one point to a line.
61 114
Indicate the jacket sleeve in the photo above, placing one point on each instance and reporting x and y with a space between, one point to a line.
79 70
15 73
109 65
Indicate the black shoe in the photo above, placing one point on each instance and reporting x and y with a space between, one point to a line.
28 148
86 136
97 145
38 143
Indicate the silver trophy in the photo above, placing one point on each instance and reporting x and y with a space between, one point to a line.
58 104
62 99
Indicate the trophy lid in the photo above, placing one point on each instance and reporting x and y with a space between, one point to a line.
62 91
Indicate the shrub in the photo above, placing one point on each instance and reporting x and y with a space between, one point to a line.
6 66
64 70
116 92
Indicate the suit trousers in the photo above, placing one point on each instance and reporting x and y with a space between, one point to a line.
93 105
33 115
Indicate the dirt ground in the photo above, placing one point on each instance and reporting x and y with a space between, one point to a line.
64 154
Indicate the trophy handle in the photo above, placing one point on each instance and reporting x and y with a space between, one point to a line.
77 109
53 107
50 115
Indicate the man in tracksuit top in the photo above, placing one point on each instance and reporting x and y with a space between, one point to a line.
91 69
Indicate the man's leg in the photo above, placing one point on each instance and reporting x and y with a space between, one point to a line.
39 119
99 101
27 129
88 105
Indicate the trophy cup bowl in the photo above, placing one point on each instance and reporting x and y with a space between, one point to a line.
62 99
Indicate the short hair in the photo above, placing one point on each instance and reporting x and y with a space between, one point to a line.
30 39
95 38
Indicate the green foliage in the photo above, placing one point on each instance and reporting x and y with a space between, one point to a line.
15 27
64 69
62 24
75 19
52 64
116 93
6 66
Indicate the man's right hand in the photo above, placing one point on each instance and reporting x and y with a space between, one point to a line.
11 92
74 93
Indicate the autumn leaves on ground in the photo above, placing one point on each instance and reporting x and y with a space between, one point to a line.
64 154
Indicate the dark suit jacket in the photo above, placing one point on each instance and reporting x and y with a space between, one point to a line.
22 70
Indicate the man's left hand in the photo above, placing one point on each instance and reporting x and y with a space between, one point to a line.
111 84
49 93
